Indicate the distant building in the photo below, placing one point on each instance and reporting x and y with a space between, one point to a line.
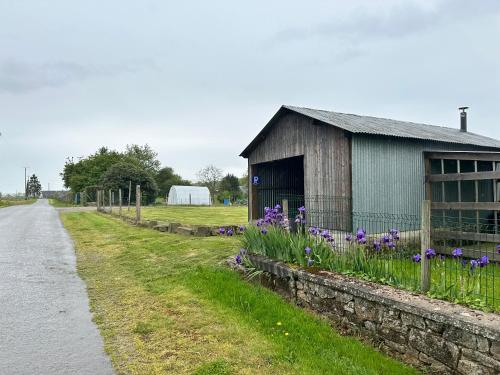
336 164
189 195
63 195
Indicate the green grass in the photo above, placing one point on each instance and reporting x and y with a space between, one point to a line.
194 215
15 202
165 304
60 203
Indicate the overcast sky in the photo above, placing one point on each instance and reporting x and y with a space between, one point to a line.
198 80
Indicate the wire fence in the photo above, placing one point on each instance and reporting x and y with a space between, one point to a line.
463 256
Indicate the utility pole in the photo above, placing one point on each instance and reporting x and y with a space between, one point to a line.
25 185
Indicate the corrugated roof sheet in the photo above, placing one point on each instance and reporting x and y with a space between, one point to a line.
394 128
381 126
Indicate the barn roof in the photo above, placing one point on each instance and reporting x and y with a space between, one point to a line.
380 126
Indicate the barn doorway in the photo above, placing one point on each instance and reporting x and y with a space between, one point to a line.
274 181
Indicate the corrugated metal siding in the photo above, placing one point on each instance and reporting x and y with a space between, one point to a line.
388 174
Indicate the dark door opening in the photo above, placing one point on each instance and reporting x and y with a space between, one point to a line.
278 180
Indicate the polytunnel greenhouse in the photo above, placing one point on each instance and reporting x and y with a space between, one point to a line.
189 195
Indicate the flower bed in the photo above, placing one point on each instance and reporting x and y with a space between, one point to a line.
382 258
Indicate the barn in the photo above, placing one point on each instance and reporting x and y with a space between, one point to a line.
189 195
337 164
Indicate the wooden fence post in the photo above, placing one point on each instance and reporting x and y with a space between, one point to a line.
425 243
120 201
129 193
138 203
284 207
97 199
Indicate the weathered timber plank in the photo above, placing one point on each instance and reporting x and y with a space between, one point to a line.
490 175
466 206
460 155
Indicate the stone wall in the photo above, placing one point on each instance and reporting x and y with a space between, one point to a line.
436 335
172 227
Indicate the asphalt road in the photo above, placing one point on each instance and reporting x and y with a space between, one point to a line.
45 322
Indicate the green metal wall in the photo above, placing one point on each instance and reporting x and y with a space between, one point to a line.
388 173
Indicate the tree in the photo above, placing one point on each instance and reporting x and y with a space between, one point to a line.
165 178
210 176
33 187
88 171
119 175
145 156
244 186
230 186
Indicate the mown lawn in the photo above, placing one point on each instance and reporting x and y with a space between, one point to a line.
165 304
15 202
60 203
194 215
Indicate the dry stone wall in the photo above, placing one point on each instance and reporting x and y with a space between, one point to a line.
439 336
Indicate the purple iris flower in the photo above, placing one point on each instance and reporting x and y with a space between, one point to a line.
325 234
238 259
473 264
242 228
348 237
330 239
393 231
464 262
362 241
377 246
430 253
260 222
314 231
457 253
263 231
498 249
229 232
360 233
222 230
391 245
310 262
308 250
302 210
298 220
386 239
483 261
277 207
416 258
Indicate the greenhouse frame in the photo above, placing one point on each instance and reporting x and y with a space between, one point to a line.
189 195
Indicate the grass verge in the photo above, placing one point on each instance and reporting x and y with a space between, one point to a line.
60 203
164 304
15 202
194 215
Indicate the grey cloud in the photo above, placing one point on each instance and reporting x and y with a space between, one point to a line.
398 21
21 77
